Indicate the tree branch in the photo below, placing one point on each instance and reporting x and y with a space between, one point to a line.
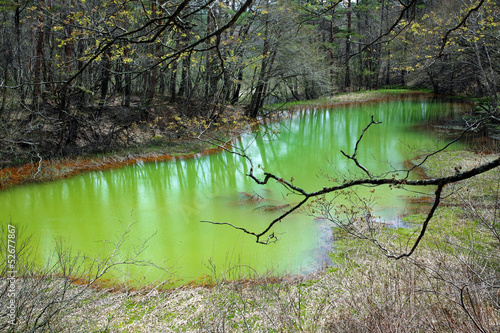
461 23
437 199
380 38
440 182
353 156
468 129
163 27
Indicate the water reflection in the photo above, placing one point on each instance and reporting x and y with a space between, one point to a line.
168 199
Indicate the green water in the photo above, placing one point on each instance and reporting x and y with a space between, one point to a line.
165 201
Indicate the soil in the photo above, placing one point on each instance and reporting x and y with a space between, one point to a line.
48 145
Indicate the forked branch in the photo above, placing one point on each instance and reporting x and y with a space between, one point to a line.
439 183
353 156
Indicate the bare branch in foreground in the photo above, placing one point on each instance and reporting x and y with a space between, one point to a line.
424 227
353 156
439 182
469 128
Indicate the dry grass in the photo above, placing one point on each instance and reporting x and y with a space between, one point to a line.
437 291
451 284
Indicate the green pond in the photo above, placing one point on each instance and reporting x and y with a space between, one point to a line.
164 202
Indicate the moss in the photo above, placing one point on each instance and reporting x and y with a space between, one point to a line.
344 246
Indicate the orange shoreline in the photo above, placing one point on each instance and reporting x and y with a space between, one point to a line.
61 169
48 170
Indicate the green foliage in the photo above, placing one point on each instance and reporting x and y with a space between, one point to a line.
8 5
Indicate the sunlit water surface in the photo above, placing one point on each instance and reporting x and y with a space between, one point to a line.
164 202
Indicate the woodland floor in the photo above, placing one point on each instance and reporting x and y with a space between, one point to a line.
36 151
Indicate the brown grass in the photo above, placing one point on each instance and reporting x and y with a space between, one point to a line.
372 294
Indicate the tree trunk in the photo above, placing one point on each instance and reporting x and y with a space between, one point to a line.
154 70
330 48
128 79
19 73
237 89
37 79
347 79
173 82
106 73
185 84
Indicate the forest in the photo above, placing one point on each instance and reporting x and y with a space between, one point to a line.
92 85
79 77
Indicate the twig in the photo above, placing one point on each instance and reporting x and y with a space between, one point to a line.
424 226
39 165
469 128
353 156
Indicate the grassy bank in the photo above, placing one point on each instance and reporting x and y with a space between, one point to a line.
451 284
346 98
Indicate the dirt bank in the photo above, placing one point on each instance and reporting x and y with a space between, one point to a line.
162 136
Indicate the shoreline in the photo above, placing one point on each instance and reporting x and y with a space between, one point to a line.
74 167
46 171
62 168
